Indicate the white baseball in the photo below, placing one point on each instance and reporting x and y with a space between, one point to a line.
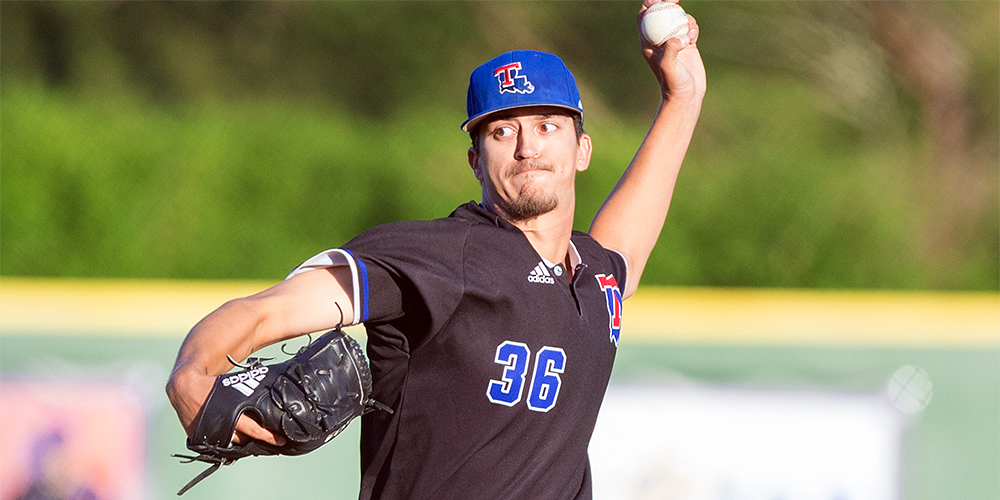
663 21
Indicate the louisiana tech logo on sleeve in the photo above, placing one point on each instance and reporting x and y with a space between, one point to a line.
614 296
511 80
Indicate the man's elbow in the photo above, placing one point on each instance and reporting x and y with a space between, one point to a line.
253 318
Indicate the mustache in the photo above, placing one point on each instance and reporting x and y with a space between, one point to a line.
525 165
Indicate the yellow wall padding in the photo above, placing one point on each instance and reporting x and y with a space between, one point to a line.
671 315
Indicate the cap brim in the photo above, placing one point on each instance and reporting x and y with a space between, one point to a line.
475 120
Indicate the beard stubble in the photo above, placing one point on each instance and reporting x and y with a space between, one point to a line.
530 203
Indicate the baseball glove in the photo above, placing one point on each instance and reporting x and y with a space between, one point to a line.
308 399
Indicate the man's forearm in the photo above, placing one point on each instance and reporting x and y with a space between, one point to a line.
230 330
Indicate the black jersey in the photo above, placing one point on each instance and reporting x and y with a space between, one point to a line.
494 361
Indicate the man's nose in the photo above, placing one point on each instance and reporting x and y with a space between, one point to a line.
527 146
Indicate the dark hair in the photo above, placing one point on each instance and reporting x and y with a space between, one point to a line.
476 133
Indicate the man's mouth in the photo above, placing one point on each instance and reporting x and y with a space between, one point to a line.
527 166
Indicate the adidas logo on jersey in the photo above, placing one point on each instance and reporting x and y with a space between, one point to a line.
247 381
540 274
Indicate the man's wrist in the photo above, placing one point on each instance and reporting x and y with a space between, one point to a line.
681 104
682 98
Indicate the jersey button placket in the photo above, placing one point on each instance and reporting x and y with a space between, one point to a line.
577 272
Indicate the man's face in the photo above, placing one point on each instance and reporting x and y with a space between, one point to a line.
527 161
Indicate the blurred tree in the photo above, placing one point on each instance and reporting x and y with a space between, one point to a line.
922 49
925 49
49 28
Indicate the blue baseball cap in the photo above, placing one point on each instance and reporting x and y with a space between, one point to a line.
518 79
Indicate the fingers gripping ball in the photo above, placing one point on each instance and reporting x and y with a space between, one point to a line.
663 21
308 399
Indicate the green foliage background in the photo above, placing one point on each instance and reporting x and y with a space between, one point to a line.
233 140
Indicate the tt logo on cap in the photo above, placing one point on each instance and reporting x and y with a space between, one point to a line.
511 81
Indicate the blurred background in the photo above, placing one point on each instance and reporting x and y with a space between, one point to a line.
833 242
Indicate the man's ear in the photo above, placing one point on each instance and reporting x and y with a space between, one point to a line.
584 149
474 163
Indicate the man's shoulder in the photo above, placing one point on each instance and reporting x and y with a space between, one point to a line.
584 242
592 251
418 226
434 234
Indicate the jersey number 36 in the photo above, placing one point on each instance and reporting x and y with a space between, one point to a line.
545 381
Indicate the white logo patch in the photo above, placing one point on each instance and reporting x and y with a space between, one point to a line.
540 274
247 381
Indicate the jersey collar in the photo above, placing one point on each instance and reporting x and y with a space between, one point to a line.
474 210
574 257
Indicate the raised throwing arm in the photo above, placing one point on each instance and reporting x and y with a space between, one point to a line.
631 219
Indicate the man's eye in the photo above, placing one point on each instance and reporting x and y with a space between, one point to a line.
503 132
549 127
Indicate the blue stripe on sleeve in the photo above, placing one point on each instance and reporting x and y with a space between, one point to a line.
363 279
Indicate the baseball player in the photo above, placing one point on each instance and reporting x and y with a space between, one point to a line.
491 332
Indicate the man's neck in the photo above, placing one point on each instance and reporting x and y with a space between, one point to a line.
549 233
